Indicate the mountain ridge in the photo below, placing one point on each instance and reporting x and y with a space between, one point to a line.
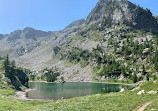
115 12
107 26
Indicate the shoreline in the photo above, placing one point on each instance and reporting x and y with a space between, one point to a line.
133 84
23 94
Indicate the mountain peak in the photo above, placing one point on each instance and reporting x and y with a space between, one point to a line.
28 29
76 23
101 1
114 12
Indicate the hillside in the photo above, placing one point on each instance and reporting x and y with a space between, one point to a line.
118 40
114 43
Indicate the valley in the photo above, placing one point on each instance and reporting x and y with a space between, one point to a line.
117 45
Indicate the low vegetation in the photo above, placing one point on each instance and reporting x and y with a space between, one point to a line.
153 106
49 75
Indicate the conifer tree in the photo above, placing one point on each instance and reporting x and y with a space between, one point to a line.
6 66
135 78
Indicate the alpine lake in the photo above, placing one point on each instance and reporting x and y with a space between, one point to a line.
57 91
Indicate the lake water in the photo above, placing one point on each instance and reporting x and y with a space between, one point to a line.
57 91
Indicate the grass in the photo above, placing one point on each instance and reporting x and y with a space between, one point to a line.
125 101
11 104
153 106
83 64
117 81
150 86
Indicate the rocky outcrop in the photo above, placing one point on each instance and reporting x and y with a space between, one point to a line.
19 79
156 17
113 12
56 50
141 92
153 92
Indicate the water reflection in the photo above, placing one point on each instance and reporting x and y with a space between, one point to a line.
56 91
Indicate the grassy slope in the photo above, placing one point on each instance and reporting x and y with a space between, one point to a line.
126 101
107 102
153 106
8 103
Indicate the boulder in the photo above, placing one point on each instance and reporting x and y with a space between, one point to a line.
141 92
122 90
153 92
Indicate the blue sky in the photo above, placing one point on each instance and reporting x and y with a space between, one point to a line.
50 15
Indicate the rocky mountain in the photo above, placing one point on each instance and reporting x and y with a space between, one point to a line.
23 37
85 46
27 33
38 54
113 12
21 42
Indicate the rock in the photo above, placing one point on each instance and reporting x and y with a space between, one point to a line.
154 82
62 81
114 12
62 98
153 92
153 109
122 90
135 88
156 17
141 92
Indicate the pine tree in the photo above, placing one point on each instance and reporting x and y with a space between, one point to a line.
6 66
135 78
143 70
12 69
150 30
147 77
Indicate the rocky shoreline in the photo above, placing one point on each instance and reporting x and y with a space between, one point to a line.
22 94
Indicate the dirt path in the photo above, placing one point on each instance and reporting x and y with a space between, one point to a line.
144 106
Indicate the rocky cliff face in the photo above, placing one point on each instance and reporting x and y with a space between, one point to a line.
113 12
156 17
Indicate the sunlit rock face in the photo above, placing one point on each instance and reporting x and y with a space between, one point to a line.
115 12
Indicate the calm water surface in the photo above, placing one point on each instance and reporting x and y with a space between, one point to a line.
57 91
